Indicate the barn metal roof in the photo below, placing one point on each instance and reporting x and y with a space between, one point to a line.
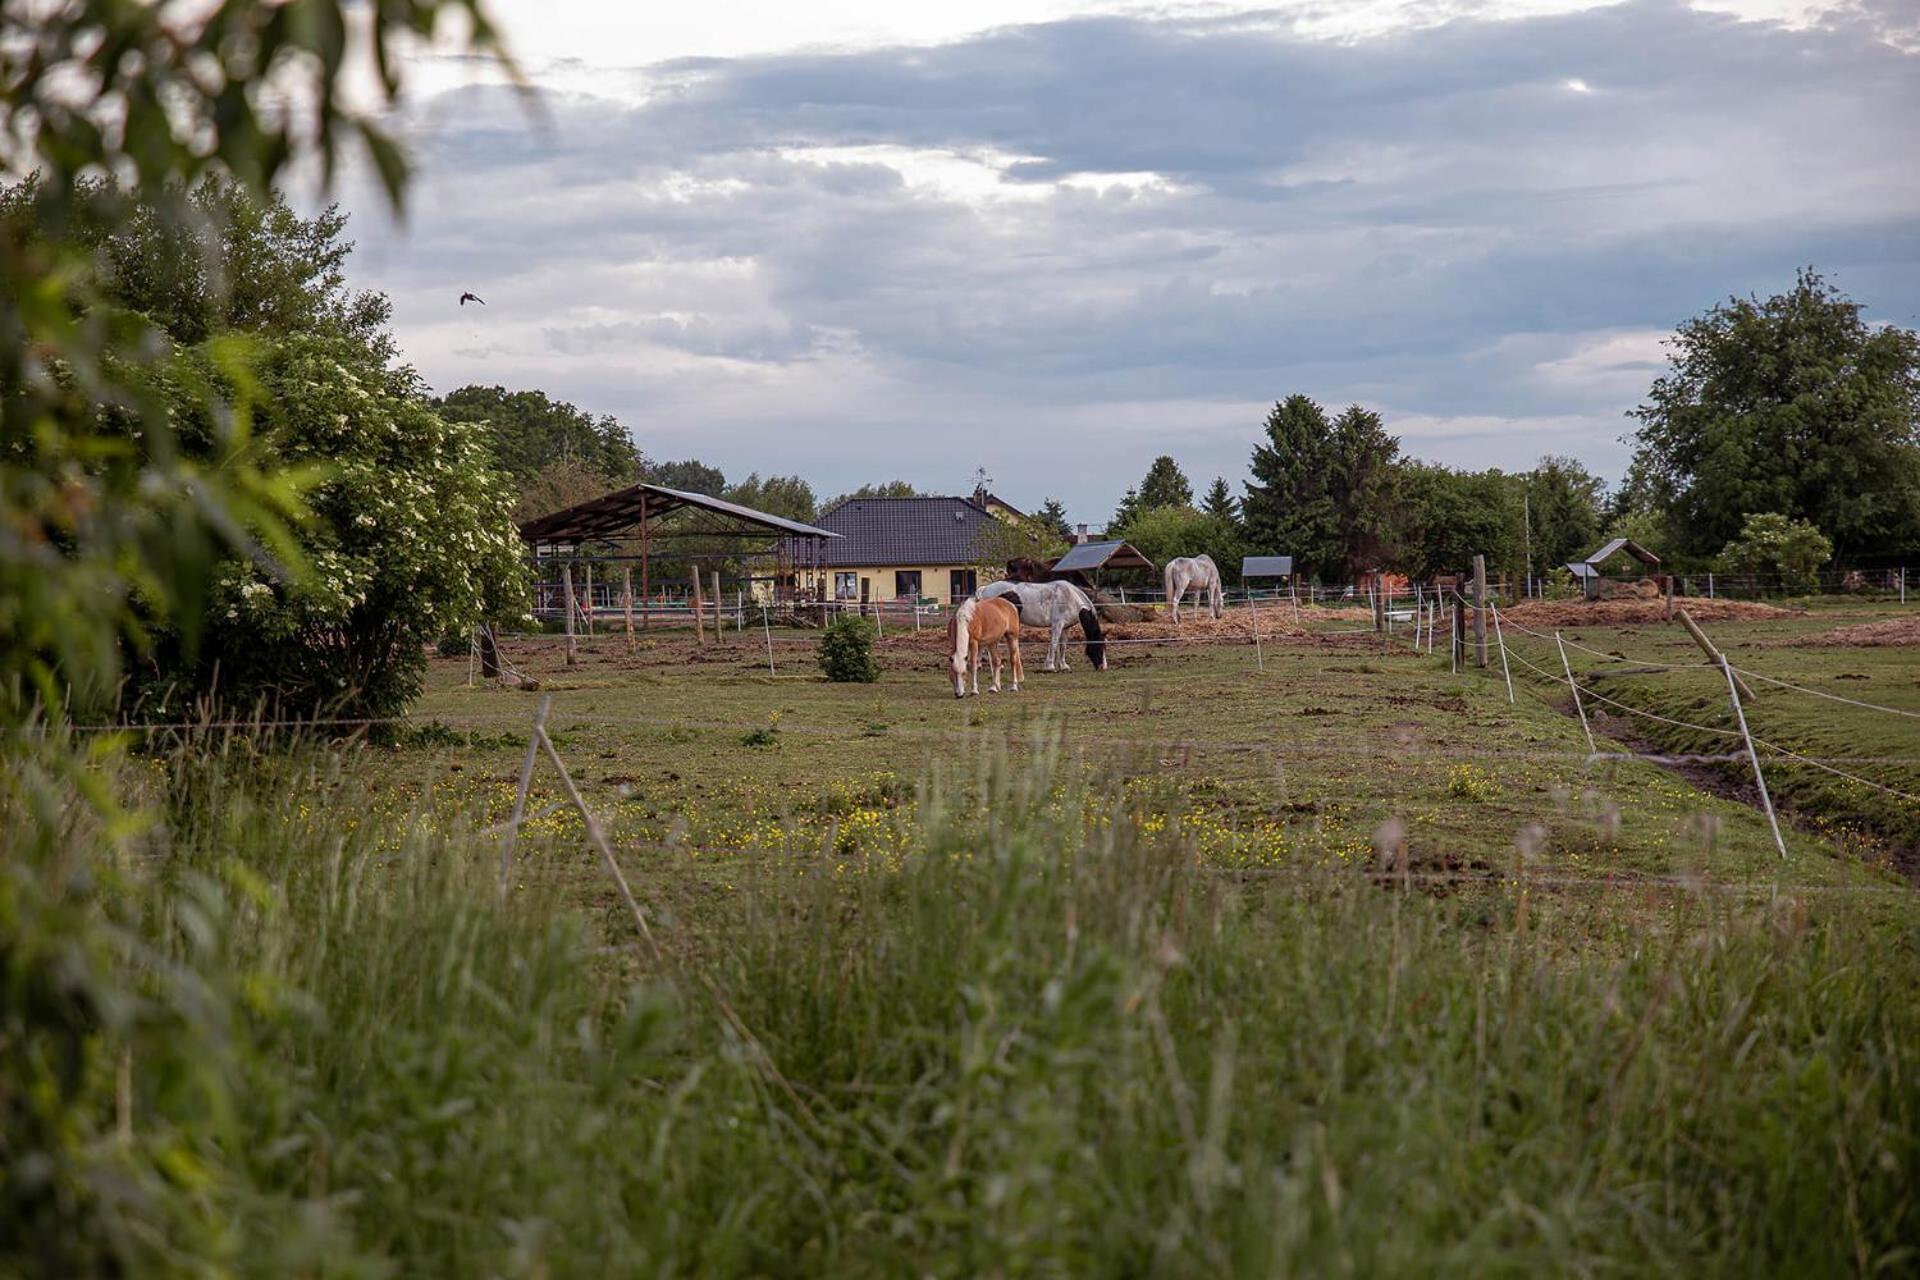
1581 569
1627 545
1101 555
1266 567
616 512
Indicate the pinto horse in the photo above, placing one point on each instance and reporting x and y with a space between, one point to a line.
980 624
1055 606
1198 573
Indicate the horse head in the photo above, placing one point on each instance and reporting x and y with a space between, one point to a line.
1096 643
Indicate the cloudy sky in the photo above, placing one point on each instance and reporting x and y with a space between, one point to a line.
1054 239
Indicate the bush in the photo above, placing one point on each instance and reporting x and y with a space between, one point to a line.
1773 544
846 652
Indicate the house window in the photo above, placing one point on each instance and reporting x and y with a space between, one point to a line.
906 584
845 586
965 583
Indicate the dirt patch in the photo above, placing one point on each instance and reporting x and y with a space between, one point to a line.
1615 613
1887 633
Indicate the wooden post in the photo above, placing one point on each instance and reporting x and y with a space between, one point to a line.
717 606
1669 594
1480 611
766 629
1499 638
1714 656
1293 595
1753 758
586 611
566 580
1259 655
626 599
1575 686
699 615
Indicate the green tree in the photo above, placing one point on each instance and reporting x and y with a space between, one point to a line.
1363 473
688 476
1793 404
1219 501
1166 532
1052 516
1289 509
1165 485
1773 544
1124 514
1564 503
527 433
1446 517
886 489
788 496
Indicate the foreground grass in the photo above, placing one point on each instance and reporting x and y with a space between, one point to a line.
1047 1037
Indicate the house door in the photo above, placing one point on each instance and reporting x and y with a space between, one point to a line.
965 583
866 593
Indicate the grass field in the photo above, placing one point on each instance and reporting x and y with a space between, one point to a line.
1344 966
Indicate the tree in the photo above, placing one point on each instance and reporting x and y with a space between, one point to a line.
886 489
1288 509
1219 501
1770 543
1794 405
688 476
1052 517
1166 532
788 496
1165 485
1362 469
1446 517
526 433
1564 506
1125 513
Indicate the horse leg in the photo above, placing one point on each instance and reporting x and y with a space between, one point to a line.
1013 654
1054 647
975 647
993 657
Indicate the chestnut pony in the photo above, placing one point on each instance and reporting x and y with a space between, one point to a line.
980 624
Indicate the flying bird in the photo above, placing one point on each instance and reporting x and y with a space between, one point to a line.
465 298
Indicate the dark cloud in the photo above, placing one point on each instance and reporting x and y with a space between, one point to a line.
846 259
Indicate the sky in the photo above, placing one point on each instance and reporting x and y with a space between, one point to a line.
863 241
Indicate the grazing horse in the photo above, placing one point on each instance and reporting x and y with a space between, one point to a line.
976 625
1198 573
1055 606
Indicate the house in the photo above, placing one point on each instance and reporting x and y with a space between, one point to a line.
916 548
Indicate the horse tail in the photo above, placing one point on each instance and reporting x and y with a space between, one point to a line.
1096 642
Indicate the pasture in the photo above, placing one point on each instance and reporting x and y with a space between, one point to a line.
1347 966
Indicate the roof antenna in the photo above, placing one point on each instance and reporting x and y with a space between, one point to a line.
980 482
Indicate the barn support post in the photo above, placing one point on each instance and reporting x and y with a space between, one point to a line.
626 599
1753 757
587 610
717 607
699 615
1480 611
1575 686
566 582
646 562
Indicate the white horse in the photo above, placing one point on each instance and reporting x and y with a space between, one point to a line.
1197 573
1055 606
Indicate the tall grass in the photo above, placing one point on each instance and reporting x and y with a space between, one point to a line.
1043 1043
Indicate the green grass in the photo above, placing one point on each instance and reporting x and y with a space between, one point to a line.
1117 981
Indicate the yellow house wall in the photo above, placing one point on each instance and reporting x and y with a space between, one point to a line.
936 581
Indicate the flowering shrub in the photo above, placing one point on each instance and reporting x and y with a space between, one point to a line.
409 540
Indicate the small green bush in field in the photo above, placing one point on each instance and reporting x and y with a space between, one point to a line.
846 652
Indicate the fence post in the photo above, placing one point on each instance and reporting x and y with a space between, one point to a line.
1709 584
699 615
1480 611
766 628
1259 656
1500 638
1575 686
566 578
1903 584
1753 757
718 606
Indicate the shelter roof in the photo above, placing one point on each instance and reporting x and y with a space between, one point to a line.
1266 567
614 513
1116 554
1581 569
1627 545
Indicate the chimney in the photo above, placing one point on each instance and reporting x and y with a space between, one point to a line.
1079 534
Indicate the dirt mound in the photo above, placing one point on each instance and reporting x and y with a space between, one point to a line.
1608 613
1887 633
